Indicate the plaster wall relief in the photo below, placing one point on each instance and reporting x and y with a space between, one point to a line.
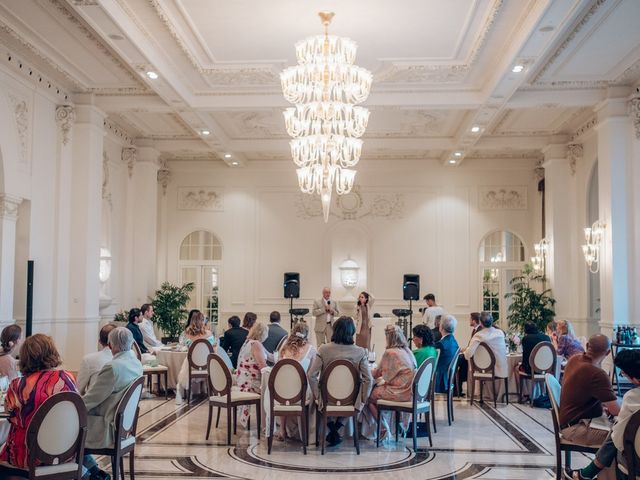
129 158
352 206
65 118
200 198
106 194
164 176
22 117
634 111
9 206
503 198
575 151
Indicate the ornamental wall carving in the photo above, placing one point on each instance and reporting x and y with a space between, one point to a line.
21 114
352 206
65 117
200 198
503 198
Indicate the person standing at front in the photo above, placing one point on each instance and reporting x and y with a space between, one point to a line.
325 310
363 320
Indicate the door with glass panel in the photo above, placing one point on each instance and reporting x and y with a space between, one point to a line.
502 257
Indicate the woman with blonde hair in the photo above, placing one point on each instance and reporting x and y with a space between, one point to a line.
394 376
251 360
297 345
565 340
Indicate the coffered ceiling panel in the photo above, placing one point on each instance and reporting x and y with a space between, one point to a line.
154 125
409 123
259 124
535 121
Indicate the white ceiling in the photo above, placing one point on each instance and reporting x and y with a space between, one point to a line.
439 68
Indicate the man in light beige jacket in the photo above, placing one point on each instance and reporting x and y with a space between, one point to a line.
325 310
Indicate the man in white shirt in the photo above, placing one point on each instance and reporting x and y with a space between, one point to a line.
494 338
92 363
629 362
325 310
432 311
146 327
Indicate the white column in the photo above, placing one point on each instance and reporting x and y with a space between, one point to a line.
615 207
634 208
559 229
164 177
86 200
145 220
8 217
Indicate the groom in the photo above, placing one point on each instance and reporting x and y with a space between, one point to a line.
325 310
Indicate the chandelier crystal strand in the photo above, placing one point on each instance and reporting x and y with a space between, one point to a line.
326 124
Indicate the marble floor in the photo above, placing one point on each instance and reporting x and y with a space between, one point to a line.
510 442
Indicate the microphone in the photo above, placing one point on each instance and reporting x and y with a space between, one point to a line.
328 302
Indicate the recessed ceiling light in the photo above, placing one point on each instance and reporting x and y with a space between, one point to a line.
205 132
152 75
115 36
517 68
234 163
475 129
227 155
452 161
547 28
458 154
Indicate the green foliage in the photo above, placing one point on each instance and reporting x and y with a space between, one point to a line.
527 303
122 316
170 307
212 307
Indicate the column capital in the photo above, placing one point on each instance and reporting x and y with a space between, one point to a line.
65 118
9 206
128 156
634 112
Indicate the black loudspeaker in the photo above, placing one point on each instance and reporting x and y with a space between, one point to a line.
291 285
411 287
29 319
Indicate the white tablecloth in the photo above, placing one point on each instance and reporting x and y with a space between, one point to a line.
173 361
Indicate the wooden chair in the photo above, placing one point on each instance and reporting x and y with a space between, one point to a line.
451 374
419 403
631 447
126 421
221 395
483 369
542 360
197 356
432 395
55 439
288 398
148 372
562 445
339 390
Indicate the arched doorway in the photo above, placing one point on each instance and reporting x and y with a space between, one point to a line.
200 261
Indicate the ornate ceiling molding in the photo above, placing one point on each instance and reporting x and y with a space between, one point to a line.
65 118
116 130
634 111
585 128
353 206
503 198
575 152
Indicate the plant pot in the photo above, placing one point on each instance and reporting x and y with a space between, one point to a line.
167 340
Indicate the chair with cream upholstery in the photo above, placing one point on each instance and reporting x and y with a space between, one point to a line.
451 373
432 395
631 447
483 369
542 360
55 438
197 359
148 371
419 403
222 396
339 390
281 343
553 390
126 421
288 398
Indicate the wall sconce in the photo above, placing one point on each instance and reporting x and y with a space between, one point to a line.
349 273
591 249
538 261
105 265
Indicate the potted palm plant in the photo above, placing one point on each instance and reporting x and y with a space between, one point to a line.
170 309
529 303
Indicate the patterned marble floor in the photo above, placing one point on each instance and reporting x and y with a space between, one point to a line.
510 442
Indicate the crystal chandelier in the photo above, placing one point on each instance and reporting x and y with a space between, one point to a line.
538 261
326 124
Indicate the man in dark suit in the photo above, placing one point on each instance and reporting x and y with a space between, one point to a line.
436 330
276 333
532 337
233 339
135 318
448 347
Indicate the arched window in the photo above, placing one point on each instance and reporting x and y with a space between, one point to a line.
502 256
200 262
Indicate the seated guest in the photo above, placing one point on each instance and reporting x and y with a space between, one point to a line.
448 346
92 363
552 331
341 348
251 360
532 337
394 376
629 362
436 329
249 320
276 332
9 346
233 339
494 338
190 317
135 318
41 378
197 330
146 327
463 365
586 388
104 394
297 345
423 340
567 344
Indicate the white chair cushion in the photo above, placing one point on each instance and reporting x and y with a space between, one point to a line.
279 407
236 396
390 403
199 373
150 369
51 469
340 408
482 375
128 441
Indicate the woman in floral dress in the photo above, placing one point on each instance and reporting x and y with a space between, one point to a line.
251 360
